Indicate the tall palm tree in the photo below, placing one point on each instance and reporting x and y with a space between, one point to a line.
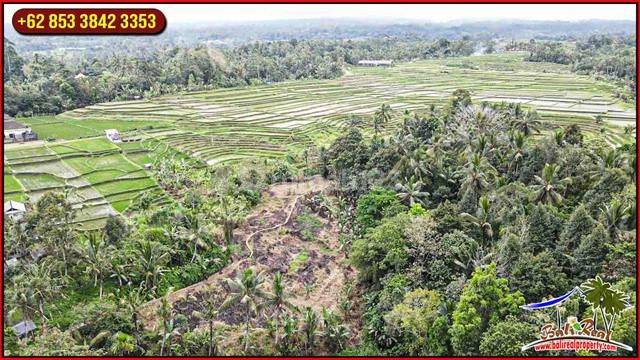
380 117
527 123
482 219
209 312
150 262
415 163
471 256
277 299
229 214
95 254
246 290
166 314
548 187
195 232
476 174
615 215
517 151
411 192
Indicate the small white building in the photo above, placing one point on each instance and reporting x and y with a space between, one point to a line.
15 131
113 135
15 210
375 62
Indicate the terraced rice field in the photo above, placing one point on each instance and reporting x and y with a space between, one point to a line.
100 178
266 121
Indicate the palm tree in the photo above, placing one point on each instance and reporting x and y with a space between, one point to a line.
195 232
482 219
32 289
411 192
528 123
229 214
246 290
380 117
472 256
150 263
310 327
615 215
123 344
209 312
412 163
517 151
166 314
476 174
549 187
94 252
277 299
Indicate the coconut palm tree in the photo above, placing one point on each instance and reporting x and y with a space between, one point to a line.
95 254
209 312
615 215
195 232
548 187
277 300
150 262
528 123
471 256
166 314
476 174
517 151
380 117
411 192
412 163
228 214
481 219
247 291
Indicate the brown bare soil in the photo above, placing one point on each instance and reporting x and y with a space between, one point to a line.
314 271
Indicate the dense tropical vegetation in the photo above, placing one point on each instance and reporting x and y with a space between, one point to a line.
434 225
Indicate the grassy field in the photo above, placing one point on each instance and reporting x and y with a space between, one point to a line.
266 122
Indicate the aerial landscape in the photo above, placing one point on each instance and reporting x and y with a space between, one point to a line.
325 186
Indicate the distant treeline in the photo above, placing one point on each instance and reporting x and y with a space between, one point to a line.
55 83
612 57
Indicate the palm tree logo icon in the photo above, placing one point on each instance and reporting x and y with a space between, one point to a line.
608 301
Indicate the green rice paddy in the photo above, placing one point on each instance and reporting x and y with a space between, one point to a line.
267 121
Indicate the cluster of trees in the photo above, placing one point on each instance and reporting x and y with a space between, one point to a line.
83 288
468 212
52 84
611 57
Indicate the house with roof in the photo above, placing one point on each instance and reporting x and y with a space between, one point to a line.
375 62
113 135
14 209
15 131
23 328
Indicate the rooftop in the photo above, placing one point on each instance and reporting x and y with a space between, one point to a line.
13 125
24 327
12 206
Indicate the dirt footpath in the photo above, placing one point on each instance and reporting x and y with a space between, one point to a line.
314 271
